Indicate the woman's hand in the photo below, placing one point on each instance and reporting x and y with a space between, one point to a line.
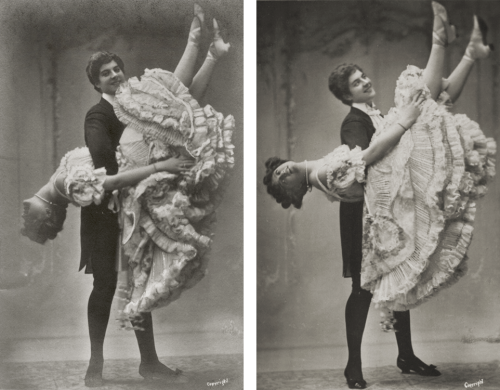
175 164
409 113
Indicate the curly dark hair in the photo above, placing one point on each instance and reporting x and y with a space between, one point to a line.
282 196
338 82
49 228
97 60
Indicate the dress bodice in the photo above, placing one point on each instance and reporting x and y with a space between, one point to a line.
345 170
83 185
133 149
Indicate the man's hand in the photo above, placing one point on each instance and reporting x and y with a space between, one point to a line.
410 112
175 164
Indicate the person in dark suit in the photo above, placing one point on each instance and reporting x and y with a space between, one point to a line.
288 181
99 230
351 86
99 226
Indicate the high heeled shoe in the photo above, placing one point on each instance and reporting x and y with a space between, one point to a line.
478 47
218 48
416 365
354 383
446 34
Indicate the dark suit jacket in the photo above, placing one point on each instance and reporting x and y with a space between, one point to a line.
99 226
357 130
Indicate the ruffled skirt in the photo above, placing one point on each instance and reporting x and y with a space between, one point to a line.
169 219
420 207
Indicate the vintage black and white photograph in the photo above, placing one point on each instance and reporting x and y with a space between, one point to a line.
377 202
121 240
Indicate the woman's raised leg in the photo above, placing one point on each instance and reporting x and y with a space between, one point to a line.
218 48
477 49
442 34
185 68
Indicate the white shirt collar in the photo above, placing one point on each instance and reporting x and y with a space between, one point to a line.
363 107
110 98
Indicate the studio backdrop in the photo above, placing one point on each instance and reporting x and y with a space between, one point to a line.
44 96
301 291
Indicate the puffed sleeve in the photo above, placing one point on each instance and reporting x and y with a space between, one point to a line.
84 185
345 169
353 133
98 140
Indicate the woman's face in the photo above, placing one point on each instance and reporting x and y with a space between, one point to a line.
288 176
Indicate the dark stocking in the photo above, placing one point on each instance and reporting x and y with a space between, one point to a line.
146 339
98 315
356 312
403 333
150 367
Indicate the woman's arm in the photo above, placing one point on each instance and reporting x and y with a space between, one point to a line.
390 137
134 176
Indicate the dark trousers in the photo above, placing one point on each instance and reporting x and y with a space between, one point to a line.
356 312
103 266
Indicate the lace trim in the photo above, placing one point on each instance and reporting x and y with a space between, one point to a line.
344 168
462 162
169 219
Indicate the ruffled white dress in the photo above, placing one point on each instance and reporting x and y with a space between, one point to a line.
83 185
421 201
168 219
345 174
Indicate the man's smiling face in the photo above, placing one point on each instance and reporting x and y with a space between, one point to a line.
361 88
110 78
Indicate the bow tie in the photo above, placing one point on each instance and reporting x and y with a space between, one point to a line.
372 111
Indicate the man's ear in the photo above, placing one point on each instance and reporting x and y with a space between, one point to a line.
348 97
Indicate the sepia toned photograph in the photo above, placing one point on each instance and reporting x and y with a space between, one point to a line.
377 202
121 211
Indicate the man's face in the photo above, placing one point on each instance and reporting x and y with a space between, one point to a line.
110 78
361 88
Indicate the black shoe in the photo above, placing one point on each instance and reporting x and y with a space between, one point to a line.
157 371
416 365
484 31
354 383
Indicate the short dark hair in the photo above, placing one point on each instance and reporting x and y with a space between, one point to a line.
285 198
338 82
50 227
97 60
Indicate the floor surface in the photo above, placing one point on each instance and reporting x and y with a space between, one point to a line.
454 376
322 368
199 372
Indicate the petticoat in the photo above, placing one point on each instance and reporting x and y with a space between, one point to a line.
169 219
420 201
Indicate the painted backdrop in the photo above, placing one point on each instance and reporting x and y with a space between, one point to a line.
44 96
301 292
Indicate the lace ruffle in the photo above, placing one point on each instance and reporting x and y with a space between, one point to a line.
345 168
83 185
160 107
425 187
169 219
